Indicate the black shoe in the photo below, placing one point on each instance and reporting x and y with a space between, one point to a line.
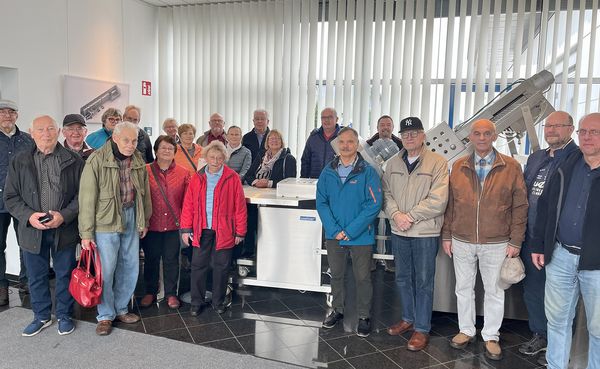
364 327
23 287
536 344
542 360
195 310
3 296
332 319
221 308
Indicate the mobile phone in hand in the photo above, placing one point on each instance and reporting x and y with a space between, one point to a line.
45 218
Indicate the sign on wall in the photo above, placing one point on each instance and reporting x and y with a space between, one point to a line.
91 97
146 88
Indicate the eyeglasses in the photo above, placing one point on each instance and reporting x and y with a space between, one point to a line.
74 129
327 116
131 120
591 132
411 134
556 125
166 148
113 120
8 112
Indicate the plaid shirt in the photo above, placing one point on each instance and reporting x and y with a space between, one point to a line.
484 165
125 184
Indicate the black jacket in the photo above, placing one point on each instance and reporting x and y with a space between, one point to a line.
284 167
22 198
548 213
144 146
250 140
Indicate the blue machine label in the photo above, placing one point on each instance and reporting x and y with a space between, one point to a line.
307 218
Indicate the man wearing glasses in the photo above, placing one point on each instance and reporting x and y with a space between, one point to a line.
415 186
565 242
540 166
216 131
110 118
318 151
12 141
74 130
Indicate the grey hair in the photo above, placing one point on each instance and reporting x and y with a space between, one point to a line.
261 111
119 128
215 145
168 120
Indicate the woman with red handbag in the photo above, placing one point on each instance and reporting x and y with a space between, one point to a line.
168 183
214 217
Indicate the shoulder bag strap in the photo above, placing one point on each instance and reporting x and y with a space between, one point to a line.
164 195
187 155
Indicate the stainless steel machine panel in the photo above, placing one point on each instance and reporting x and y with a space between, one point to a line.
288 246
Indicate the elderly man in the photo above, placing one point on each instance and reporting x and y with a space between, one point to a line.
170 126
385 127
566 242
348 200
110 118
41 192
255 139
540 166
74 130
132 114
216 131
415 186
115 210
484 223
318 151
12 142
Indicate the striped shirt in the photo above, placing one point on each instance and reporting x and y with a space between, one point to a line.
48 170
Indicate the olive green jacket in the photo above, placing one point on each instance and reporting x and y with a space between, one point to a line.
100 208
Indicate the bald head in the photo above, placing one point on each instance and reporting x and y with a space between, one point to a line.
482 136
558 129
44 132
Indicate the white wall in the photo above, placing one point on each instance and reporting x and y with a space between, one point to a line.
114 40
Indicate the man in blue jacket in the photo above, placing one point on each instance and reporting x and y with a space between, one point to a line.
565 243
348 200
540 166
318 151
12 142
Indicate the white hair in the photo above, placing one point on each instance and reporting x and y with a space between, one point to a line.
119 128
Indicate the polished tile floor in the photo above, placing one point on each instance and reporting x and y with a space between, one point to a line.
285 325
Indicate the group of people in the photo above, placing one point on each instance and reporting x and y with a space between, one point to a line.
485 212
116 191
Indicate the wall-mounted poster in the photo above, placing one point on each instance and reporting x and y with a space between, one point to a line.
91 97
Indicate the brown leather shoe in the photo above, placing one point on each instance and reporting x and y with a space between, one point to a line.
104 327
493 350
147 300
461 340
418 341
173 302
399 328
128 318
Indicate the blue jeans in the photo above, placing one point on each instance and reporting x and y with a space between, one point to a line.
120 257
564 282
415 276
533 293
39 287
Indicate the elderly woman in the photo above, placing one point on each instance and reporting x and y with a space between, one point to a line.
110 118
189 153
170 127
214 219
168 184
240 158
273 164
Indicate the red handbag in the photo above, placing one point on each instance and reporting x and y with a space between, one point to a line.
86 283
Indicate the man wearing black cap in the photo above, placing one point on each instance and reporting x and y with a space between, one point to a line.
415 187
12 141
75 130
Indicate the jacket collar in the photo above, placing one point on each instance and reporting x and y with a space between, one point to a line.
359 166
470 161
109 160
63 154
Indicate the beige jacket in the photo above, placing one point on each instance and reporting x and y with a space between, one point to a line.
422 194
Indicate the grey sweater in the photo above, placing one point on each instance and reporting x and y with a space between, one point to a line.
240 161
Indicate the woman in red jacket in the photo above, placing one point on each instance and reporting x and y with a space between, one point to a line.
214 218
168 183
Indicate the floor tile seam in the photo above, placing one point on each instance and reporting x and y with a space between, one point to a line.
234 336
186 327
371 353
158 316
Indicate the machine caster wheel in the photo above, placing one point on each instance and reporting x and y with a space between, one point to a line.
329 299
243 271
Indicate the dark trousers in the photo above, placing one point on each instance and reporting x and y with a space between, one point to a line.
533 293
361 268
4 224
39 285
202 258
157 245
